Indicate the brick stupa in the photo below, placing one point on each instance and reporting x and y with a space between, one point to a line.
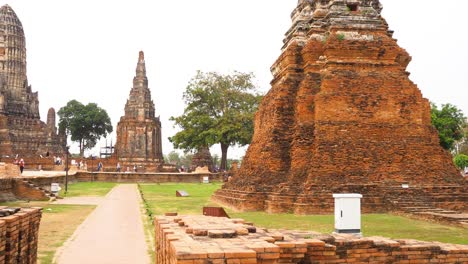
22 132
342 116
139 130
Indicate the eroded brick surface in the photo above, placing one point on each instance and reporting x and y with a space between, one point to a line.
342 116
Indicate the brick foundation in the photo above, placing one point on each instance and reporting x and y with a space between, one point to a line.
146 177
19 236
201 239
378 198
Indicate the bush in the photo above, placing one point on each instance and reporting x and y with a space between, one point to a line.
461 161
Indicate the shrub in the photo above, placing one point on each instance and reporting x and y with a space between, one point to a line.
461 161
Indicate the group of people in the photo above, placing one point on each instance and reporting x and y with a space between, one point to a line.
100 167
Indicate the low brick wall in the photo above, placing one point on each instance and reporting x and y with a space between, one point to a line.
6 190
9 170
19 236
202 239
145 177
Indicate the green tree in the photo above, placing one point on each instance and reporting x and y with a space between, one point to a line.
462 144
215 160
449 121
219 109
186 160
173 158
85 123
461 161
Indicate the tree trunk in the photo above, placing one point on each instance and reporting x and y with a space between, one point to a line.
224 149
81 148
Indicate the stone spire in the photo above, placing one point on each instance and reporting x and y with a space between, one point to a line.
139 104
140 79
21 130
21 100
139 131
51 119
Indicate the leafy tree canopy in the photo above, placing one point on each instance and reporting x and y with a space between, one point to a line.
219 109
461 161
85 123
449 121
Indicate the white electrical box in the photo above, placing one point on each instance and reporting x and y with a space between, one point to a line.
55 188
348 213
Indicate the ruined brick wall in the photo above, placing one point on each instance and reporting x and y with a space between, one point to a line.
19 236
341 110
147 177
32 162
201 239
12 189
6 190
203 158
8 170
26 191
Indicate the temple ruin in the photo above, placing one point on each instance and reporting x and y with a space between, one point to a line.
343 116
22 132
203 159
139 131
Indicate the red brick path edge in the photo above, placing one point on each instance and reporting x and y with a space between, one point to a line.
219 240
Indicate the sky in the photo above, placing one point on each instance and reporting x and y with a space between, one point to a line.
88 50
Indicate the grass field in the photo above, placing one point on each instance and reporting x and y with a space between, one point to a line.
87 189
161 198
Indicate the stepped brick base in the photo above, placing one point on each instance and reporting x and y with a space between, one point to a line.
378 198
219 240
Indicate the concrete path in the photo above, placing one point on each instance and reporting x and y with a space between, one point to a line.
113 232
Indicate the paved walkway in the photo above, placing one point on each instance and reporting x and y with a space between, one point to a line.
113 232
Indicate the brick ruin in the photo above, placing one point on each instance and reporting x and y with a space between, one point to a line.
21 130
139 131
203 159
342 115
19 231
219 240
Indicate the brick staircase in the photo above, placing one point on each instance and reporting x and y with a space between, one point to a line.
417 204
29 190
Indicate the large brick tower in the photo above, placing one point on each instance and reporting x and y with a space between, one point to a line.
139 131
21 130
342 116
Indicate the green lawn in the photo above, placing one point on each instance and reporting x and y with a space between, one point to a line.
161 198
87 189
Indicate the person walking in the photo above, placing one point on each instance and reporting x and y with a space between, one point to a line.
99 166
118 167
21 165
